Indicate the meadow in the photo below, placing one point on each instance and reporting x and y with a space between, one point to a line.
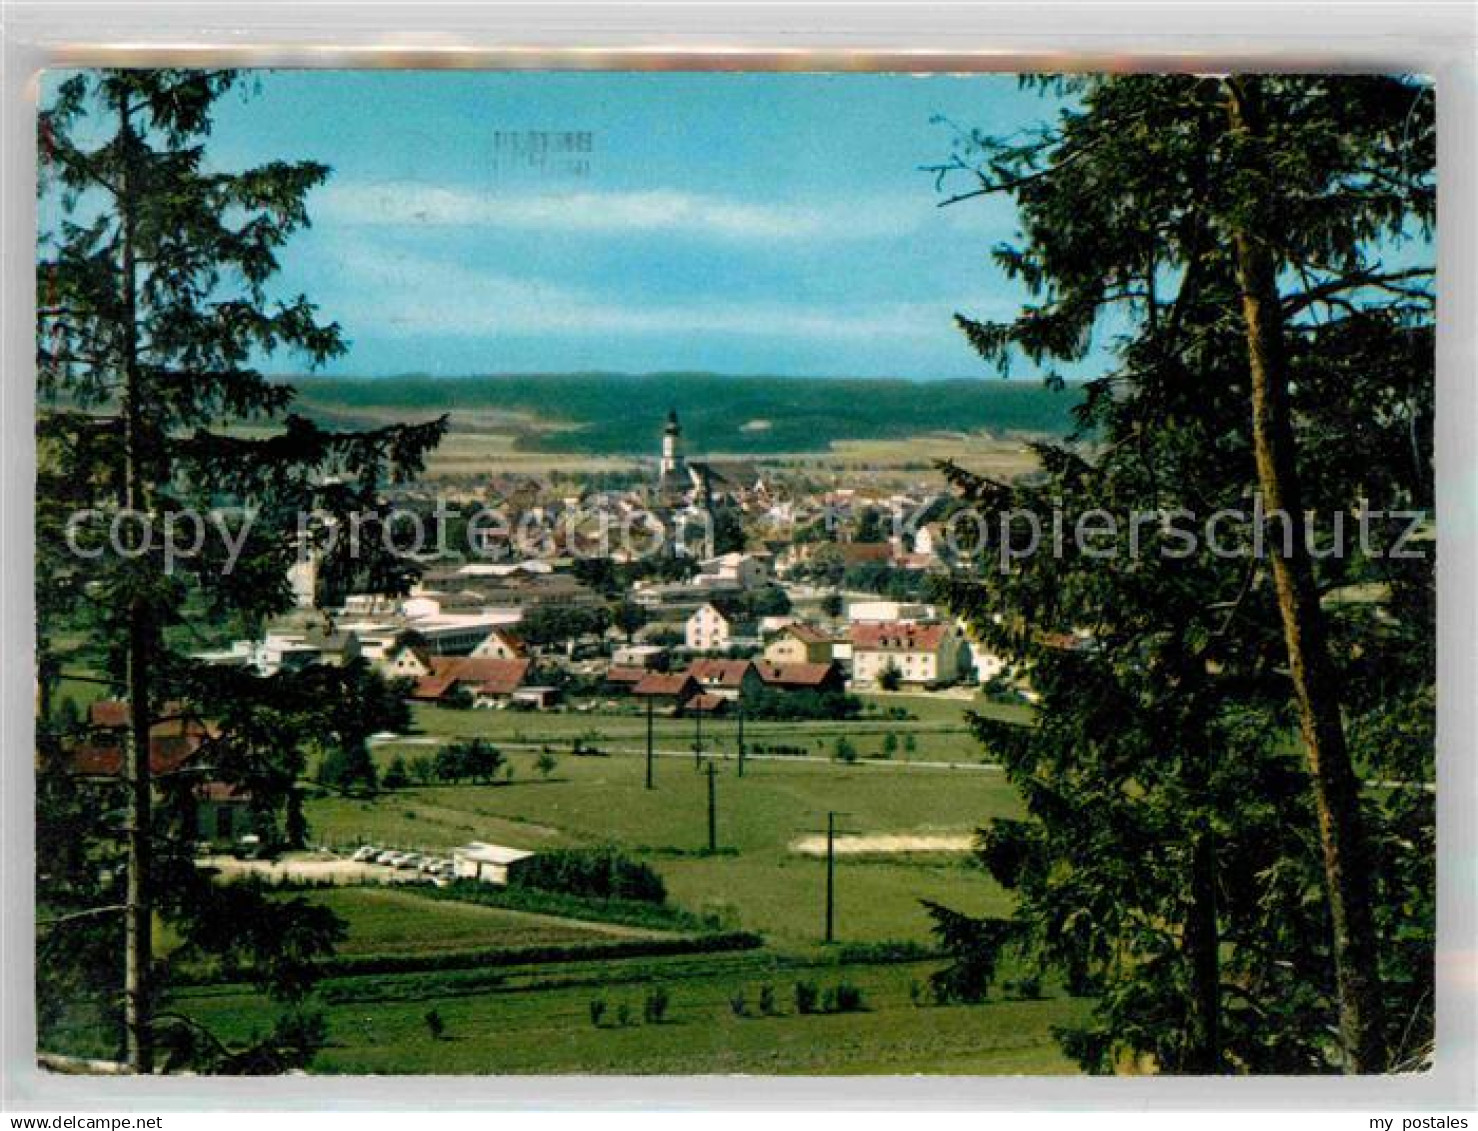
538 1020
506 1018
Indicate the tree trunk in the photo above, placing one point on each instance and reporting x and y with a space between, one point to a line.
1202 944
1336 789
138 916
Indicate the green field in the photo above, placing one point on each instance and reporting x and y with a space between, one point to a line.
538 1021
383 920
936 724
505 1018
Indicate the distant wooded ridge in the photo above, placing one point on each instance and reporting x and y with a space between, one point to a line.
618 414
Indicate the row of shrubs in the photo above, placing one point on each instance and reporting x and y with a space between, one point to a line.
627 912
599 873
653 1010
844 997
939 991
350 965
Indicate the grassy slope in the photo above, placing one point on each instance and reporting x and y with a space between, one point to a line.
386 921
760 884
537 1021
542 1024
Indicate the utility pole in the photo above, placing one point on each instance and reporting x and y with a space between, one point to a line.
832 829
712 808
741 735
698 738
650 783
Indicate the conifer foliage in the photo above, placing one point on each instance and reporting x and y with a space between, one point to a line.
1253 257
156 303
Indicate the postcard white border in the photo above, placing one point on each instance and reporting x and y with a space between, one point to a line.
1436 39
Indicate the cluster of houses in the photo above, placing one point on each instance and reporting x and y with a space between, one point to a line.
752 621
457 636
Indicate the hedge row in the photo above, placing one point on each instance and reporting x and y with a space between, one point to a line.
527 955
625 912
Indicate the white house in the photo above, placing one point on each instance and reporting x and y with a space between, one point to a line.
636 655
884 612
707 630
710 629
919 653
986 664
500 644
747 571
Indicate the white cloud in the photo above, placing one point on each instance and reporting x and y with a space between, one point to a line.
411 203
410 295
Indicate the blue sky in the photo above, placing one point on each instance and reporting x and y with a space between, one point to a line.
747 224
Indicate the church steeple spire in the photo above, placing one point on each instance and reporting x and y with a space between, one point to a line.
672 471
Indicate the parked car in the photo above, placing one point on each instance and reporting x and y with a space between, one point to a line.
389 856
409 860
365 853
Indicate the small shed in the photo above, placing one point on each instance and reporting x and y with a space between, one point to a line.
487 863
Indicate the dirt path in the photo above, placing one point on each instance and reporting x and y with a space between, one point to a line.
885 844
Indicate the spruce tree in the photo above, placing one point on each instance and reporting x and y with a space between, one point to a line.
154 277
1258 252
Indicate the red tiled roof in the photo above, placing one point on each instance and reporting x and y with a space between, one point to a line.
675 684
106 761
484 676
796 675
805 633
222 791
898 637
108 713
625 675
856 553
719 673
706 703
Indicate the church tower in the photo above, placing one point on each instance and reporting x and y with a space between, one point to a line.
672 471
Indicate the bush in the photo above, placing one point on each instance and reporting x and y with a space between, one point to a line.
807 997
435 1025
849 998
623 1015
738 1004
844 751
1028 987
767 1000
597 1011
654 1008
603 873
915 992
398 775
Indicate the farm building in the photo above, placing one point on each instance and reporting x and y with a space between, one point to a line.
488 681
487 863
667 690
728 679
820 678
